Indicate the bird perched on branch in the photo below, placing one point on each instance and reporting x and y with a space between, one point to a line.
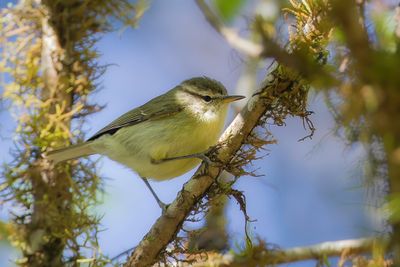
164 138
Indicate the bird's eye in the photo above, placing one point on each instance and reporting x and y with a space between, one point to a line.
207 98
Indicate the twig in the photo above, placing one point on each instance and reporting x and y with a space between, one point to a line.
125 252
233 38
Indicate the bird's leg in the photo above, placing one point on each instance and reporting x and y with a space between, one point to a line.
162 205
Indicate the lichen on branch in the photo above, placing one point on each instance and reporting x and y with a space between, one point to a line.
50 65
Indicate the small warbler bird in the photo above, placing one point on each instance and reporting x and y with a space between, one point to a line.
164 138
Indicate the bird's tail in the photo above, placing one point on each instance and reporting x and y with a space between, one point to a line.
71 152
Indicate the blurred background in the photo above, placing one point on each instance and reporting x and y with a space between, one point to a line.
310 192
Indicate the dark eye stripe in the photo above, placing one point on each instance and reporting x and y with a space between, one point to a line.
206 98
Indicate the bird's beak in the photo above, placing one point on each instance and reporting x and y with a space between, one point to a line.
231 98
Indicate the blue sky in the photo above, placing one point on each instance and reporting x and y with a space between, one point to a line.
311 190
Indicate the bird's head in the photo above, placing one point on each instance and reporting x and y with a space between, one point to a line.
204 97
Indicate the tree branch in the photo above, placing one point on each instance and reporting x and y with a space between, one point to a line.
296 60
325 249
264 256
283 94
167 226
233 38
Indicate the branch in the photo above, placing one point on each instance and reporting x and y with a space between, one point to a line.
233 38
348 18
284 94
251 49
265 256
326 249
167 226
295 60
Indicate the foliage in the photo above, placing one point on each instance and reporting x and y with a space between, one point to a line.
359 81
345 49
49 62
228 9
348 51
361 84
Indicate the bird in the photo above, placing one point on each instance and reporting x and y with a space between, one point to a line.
165 137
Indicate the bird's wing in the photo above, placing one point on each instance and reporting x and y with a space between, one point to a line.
156 108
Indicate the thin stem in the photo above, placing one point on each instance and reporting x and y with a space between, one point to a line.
232 37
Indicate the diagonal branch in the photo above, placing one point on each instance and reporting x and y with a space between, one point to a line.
167 226
283 94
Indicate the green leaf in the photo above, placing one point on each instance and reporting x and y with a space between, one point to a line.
228 9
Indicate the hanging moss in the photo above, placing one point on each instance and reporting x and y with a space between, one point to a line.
48 54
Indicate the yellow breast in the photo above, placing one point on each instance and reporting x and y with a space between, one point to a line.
139 145
193 137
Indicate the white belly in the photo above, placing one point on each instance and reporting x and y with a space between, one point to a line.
136 146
